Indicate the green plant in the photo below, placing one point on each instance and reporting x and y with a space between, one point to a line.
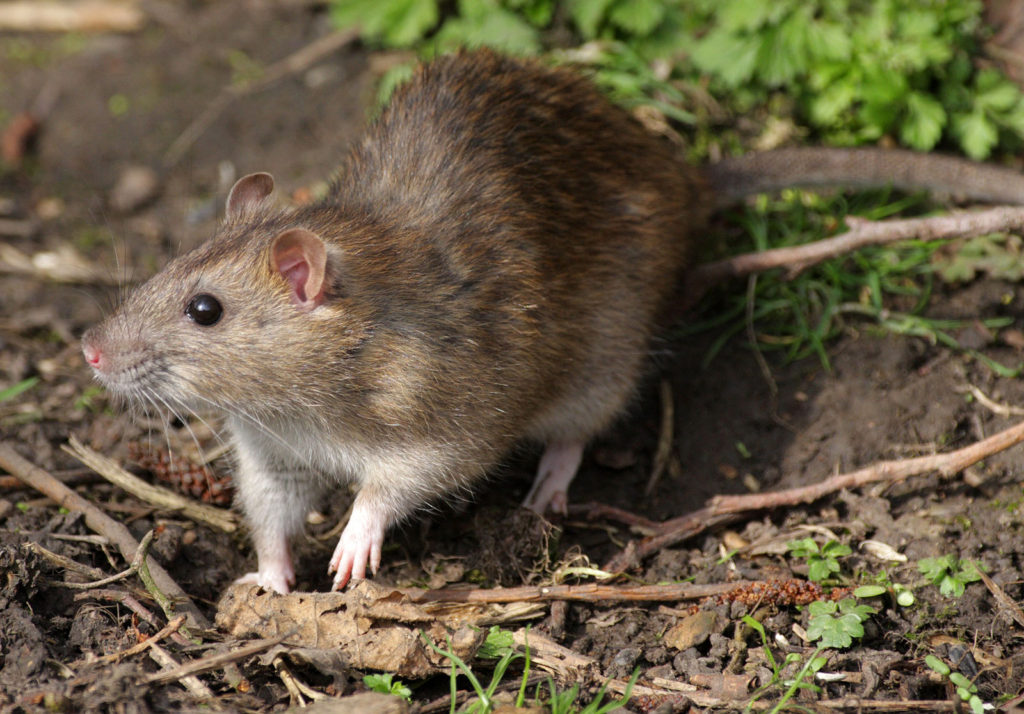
836 625
564 702
965 688
85 400
949 573
822 562
484 703
858 71
499 645
384 684
882 585
855 71
801 681
9 393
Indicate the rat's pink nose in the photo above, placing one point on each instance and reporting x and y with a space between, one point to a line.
92 353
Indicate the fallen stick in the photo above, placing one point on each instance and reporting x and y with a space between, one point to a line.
101 523
89 16
215 661
295 62
162 498
724 509
862 233
946 464
580 593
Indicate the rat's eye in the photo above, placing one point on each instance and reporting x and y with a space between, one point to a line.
204 310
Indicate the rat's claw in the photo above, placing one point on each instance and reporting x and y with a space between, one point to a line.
359 545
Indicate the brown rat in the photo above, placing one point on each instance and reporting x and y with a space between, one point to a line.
489 267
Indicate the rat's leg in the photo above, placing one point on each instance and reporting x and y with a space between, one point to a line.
555 472
275 498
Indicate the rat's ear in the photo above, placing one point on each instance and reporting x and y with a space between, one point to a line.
300 256
248 193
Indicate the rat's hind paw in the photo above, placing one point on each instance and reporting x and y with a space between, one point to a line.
550 490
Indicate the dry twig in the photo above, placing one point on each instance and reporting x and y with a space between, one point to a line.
862 233
167 631
293 63
171 667
1006 603
100 522
666 432
216 661
724 509
88 16
160 497
578 593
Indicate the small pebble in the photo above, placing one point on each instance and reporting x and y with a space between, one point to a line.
137 186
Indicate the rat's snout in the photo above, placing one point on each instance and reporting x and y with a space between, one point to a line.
91 350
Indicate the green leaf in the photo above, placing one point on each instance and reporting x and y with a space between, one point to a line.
995 93
904 597
383 684
865 591
538 12
937 665
783 53
392 79
498 643
821 607
922 127
588 15
484 25
959 680
637 17
977 134
396 23
18 388
731 58
410 22
828 42
747 15
935 568
828 105
802 548
835 549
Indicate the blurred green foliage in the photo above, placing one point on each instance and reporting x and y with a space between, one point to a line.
853 70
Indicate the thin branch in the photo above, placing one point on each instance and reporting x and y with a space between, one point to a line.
101 523
578 593
160 497
189 681
862 233
292 64
167 631
216 661
726 509
946 464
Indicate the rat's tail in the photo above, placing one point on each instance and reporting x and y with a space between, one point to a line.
959 178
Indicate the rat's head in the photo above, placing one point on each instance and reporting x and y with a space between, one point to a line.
252 321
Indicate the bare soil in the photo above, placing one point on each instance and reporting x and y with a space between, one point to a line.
121 100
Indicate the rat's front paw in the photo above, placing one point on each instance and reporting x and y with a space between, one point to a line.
358 547
280 580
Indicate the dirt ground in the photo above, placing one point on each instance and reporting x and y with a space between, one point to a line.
108 103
